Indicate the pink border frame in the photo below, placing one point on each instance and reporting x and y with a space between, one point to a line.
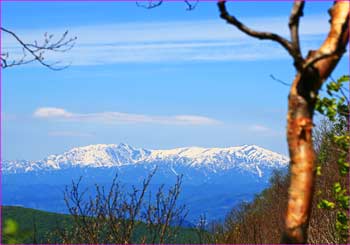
1 142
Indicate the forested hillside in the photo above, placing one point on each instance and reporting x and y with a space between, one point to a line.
28 226
261 221
25 225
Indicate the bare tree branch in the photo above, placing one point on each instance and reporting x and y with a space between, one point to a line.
151 4
32 52
257 34
297 12
191 6
319 56
279 81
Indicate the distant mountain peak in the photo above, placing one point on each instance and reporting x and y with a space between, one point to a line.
246 158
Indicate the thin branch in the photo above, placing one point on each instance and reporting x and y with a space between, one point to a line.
257 34
36 51
344 95
280 81
151 4
191 6
297 12
346 90
343 89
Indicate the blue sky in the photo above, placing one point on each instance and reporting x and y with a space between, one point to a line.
158 78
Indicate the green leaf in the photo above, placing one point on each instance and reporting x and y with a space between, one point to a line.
341 217
10 227
337 187
326 204
343 79
333 86
318 171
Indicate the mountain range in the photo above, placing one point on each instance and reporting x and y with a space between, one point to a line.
246 158
214 179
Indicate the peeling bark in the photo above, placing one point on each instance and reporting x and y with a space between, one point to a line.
301 104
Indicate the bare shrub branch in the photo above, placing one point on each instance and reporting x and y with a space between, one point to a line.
114 216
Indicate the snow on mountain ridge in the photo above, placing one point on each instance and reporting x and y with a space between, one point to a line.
246 157
197 156
101 155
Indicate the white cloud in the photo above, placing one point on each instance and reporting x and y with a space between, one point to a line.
259 128
174 41
47 112
264 130
121 117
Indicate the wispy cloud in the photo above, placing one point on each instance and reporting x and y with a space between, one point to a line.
259 128
52 112
174 41
121 117
264 130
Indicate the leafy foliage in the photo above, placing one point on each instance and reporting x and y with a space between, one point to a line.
336 107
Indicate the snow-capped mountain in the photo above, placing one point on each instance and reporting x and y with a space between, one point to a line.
214 179
244 158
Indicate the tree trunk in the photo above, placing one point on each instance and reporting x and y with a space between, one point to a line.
301 102
312 72
302 157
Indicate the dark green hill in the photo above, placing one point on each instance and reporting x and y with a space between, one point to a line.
34 226
30 221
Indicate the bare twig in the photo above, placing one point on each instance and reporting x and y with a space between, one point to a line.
279 81
151 4
113 216
32 52
191 6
